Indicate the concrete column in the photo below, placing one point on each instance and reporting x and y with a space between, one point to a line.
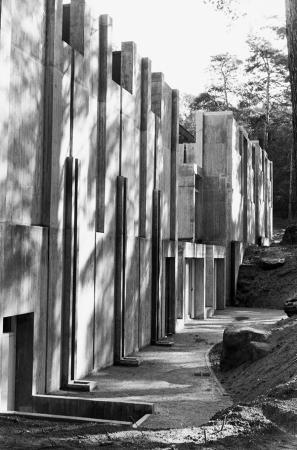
220 283
210 277
180 295
52 187
199 309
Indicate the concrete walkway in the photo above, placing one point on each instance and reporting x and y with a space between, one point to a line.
177 379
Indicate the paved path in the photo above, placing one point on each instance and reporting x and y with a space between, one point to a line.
177 378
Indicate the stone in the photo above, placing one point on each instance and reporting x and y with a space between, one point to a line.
290 235
237 337
259 349
270 263
241 345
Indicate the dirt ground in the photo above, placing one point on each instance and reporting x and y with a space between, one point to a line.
258 287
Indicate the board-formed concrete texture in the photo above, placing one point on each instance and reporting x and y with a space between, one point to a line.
112 234
233 206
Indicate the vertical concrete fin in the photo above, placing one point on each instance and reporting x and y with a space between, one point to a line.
105 76
157 92
128 66
199 138
146 88
77 25
173 163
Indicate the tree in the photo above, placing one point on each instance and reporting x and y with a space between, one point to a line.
228 7
291 20
268 67
225 68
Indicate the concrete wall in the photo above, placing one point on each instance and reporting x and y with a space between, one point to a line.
236 190
92 183
72 133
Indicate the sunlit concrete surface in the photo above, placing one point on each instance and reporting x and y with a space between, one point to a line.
171 376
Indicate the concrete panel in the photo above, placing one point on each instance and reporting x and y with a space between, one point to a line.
186 213
5 64
55 271
104 301
132 296
28 27
25 151
145 279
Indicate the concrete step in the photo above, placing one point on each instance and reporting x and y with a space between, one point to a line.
91 407
81 385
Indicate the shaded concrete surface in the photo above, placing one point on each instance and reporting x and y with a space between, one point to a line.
177 379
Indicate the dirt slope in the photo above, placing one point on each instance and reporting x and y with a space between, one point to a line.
269 375
258 287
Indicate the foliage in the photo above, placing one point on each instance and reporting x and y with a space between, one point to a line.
228 7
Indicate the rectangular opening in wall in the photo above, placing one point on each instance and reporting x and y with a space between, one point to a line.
24 362
66 23
9 324
185 154
116 67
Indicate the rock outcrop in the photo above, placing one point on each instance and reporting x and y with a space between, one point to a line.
241 345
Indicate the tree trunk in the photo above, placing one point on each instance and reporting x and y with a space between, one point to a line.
290 187
291 18
267 114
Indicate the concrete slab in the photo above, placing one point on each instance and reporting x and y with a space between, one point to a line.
168 375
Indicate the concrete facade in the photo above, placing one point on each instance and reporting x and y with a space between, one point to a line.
225 191
99 257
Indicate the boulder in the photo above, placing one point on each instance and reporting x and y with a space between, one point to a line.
240 336
241 345
290 235
259 349
270 263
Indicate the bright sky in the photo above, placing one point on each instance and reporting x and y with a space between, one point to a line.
180 36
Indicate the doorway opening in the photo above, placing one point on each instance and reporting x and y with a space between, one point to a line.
17 371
